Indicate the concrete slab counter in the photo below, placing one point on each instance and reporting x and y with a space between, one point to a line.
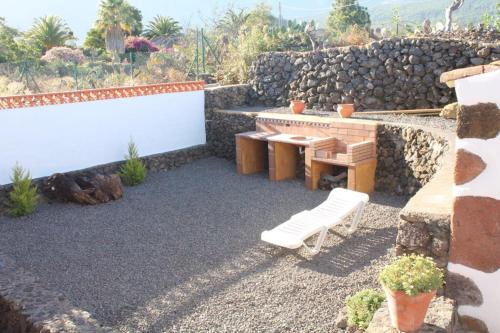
325 142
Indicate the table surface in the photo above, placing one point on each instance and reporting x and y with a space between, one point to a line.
294 139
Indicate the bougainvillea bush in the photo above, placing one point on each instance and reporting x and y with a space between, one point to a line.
140 44
64 54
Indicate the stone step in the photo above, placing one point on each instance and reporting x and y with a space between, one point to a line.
441 317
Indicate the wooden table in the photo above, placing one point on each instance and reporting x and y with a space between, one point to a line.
282 152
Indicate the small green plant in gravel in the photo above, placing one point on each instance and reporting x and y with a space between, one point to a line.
133 172
23 197
412 274
362 306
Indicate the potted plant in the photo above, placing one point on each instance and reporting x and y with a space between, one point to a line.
410 283
297 106
345 110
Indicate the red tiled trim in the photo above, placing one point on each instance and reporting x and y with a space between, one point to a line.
23 101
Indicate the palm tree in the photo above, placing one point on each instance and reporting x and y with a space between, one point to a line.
232 21
115 18
50 31
162 26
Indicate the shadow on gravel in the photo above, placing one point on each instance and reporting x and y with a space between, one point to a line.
379 198
198 293
353 253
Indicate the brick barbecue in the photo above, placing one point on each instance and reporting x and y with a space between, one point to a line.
325 142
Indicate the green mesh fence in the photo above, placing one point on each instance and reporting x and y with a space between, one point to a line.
36 76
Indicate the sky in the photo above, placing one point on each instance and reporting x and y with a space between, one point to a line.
81 14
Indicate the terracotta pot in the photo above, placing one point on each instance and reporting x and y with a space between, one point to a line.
297 106
408 312
345 110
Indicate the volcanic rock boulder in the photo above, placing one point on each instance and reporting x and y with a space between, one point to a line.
85 190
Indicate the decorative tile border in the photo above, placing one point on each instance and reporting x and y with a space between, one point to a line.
23 101
293 122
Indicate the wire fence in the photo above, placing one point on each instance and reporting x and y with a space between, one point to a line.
29 76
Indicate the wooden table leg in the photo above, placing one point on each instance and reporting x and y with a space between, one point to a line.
250 155
361 177
282 160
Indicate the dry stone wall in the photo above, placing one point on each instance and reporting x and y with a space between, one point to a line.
153 163
28 306
387 74
221 126
408 157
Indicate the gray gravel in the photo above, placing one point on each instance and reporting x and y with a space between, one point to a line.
182 253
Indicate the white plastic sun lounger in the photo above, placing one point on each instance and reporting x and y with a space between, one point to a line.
340 203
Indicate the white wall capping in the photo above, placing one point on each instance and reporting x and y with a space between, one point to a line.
486 184
68 137
488 284
481 88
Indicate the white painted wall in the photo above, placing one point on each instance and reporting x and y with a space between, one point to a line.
487 183
479 89
470 91
488 284
68 137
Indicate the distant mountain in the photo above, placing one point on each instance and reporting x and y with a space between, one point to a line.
416 11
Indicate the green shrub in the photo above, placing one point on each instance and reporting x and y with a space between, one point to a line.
133 171
412 274
362 306
23 197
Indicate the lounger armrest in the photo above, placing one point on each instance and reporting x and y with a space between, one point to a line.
301 214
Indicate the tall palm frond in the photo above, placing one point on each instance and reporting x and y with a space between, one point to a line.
50 31
232 21
162 26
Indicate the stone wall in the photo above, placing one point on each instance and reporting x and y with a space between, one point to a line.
153 163
27 306
220 98
221 126
407 158
389 74
428 236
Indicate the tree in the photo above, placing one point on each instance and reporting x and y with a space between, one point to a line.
48 32
117 18
94 41
455 5
8 46
137 18
162 26
260 32
496 21
492 20
346 13
229 25
396 19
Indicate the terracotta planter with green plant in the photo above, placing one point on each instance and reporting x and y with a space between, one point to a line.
410 283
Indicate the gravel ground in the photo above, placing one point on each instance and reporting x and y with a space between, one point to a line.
182 253
433 122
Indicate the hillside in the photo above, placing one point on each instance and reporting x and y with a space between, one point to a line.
416 11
